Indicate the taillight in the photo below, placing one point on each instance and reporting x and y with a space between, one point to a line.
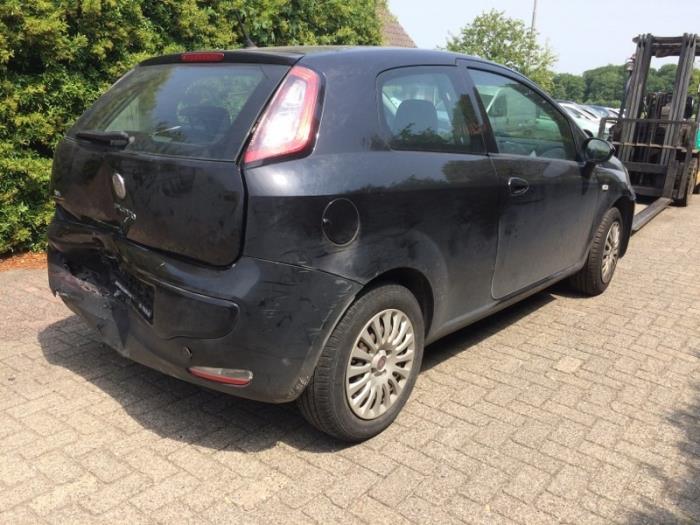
289 123
202 56
227 376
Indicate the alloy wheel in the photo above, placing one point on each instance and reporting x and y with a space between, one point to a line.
611 252
380 364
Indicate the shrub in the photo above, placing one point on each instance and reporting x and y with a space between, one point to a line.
57 56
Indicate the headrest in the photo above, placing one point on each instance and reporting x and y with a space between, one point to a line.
416 115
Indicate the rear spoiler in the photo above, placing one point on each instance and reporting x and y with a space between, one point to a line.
241 56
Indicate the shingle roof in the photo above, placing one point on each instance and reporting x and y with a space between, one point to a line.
393 34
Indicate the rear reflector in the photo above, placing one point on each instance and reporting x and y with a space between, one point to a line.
228 376
202 56
288 126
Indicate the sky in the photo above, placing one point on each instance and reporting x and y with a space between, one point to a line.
583 33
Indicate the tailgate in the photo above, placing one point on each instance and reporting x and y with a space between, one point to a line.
172 183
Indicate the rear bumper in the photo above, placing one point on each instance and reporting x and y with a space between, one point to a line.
269 318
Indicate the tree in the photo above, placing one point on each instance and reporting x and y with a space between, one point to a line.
58 56
662 79
605 85
494 36
566 86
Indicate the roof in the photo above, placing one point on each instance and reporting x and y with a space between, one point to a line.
393 33
290 55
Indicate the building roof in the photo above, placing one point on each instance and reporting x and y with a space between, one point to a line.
393 33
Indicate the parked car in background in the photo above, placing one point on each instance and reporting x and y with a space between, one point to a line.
599 111
297 223
587 117
587 111
583 120
604 112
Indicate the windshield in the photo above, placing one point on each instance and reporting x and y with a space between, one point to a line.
194 110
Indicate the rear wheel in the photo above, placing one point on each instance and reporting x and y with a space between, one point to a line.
602 259
690 186
369 366
695 177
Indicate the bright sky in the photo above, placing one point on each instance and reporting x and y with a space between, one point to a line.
583 33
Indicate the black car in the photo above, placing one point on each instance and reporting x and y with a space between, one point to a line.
297 223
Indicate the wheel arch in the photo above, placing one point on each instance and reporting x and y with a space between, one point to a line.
416 282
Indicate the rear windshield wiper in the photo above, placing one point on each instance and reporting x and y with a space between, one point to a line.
115 139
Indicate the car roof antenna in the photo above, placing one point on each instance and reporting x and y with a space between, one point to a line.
248 42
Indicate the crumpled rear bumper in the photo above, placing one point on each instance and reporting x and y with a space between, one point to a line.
269 318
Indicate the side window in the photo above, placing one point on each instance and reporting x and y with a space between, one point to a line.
423 110
522 121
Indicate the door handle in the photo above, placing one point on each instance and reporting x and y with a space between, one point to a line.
517 186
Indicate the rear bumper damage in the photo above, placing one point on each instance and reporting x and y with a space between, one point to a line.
268 318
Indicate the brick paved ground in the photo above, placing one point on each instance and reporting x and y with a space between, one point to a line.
559 409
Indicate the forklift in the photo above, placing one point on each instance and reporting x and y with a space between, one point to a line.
656 134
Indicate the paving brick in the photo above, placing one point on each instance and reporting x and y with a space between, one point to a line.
566 510
568 455
569 482
146 462
604 433
15 469
369 510
531 457
57 467
69 493
393 489
527 484
344 492
456 458
418 510
609 481
167 490
104 466
441 486
468 511
212 492
22 492
254 494
494 434
115 493
373 460
532 434
518 511
322 510
20 515
568 365
482 487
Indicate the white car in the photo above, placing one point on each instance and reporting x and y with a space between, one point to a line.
587 123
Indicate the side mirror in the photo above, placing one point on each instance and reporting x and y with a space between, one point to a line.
596 151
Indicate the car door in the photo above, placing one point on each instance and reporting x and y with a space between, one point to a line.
548 195
447 185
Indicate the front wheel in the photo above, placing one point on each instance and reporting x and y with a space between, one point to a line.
368 367
596 274
689 189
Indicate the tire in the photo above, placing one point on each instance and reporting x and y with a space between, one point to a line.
592 279
325 402
694 178
690 185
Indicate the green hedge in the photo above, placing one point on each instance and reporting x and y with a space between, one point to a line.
57 56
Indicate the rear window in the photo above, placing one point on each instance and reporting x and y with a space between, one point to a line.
192 110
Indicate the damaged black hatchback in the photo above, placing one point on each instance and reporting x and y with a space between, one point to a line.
296 223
